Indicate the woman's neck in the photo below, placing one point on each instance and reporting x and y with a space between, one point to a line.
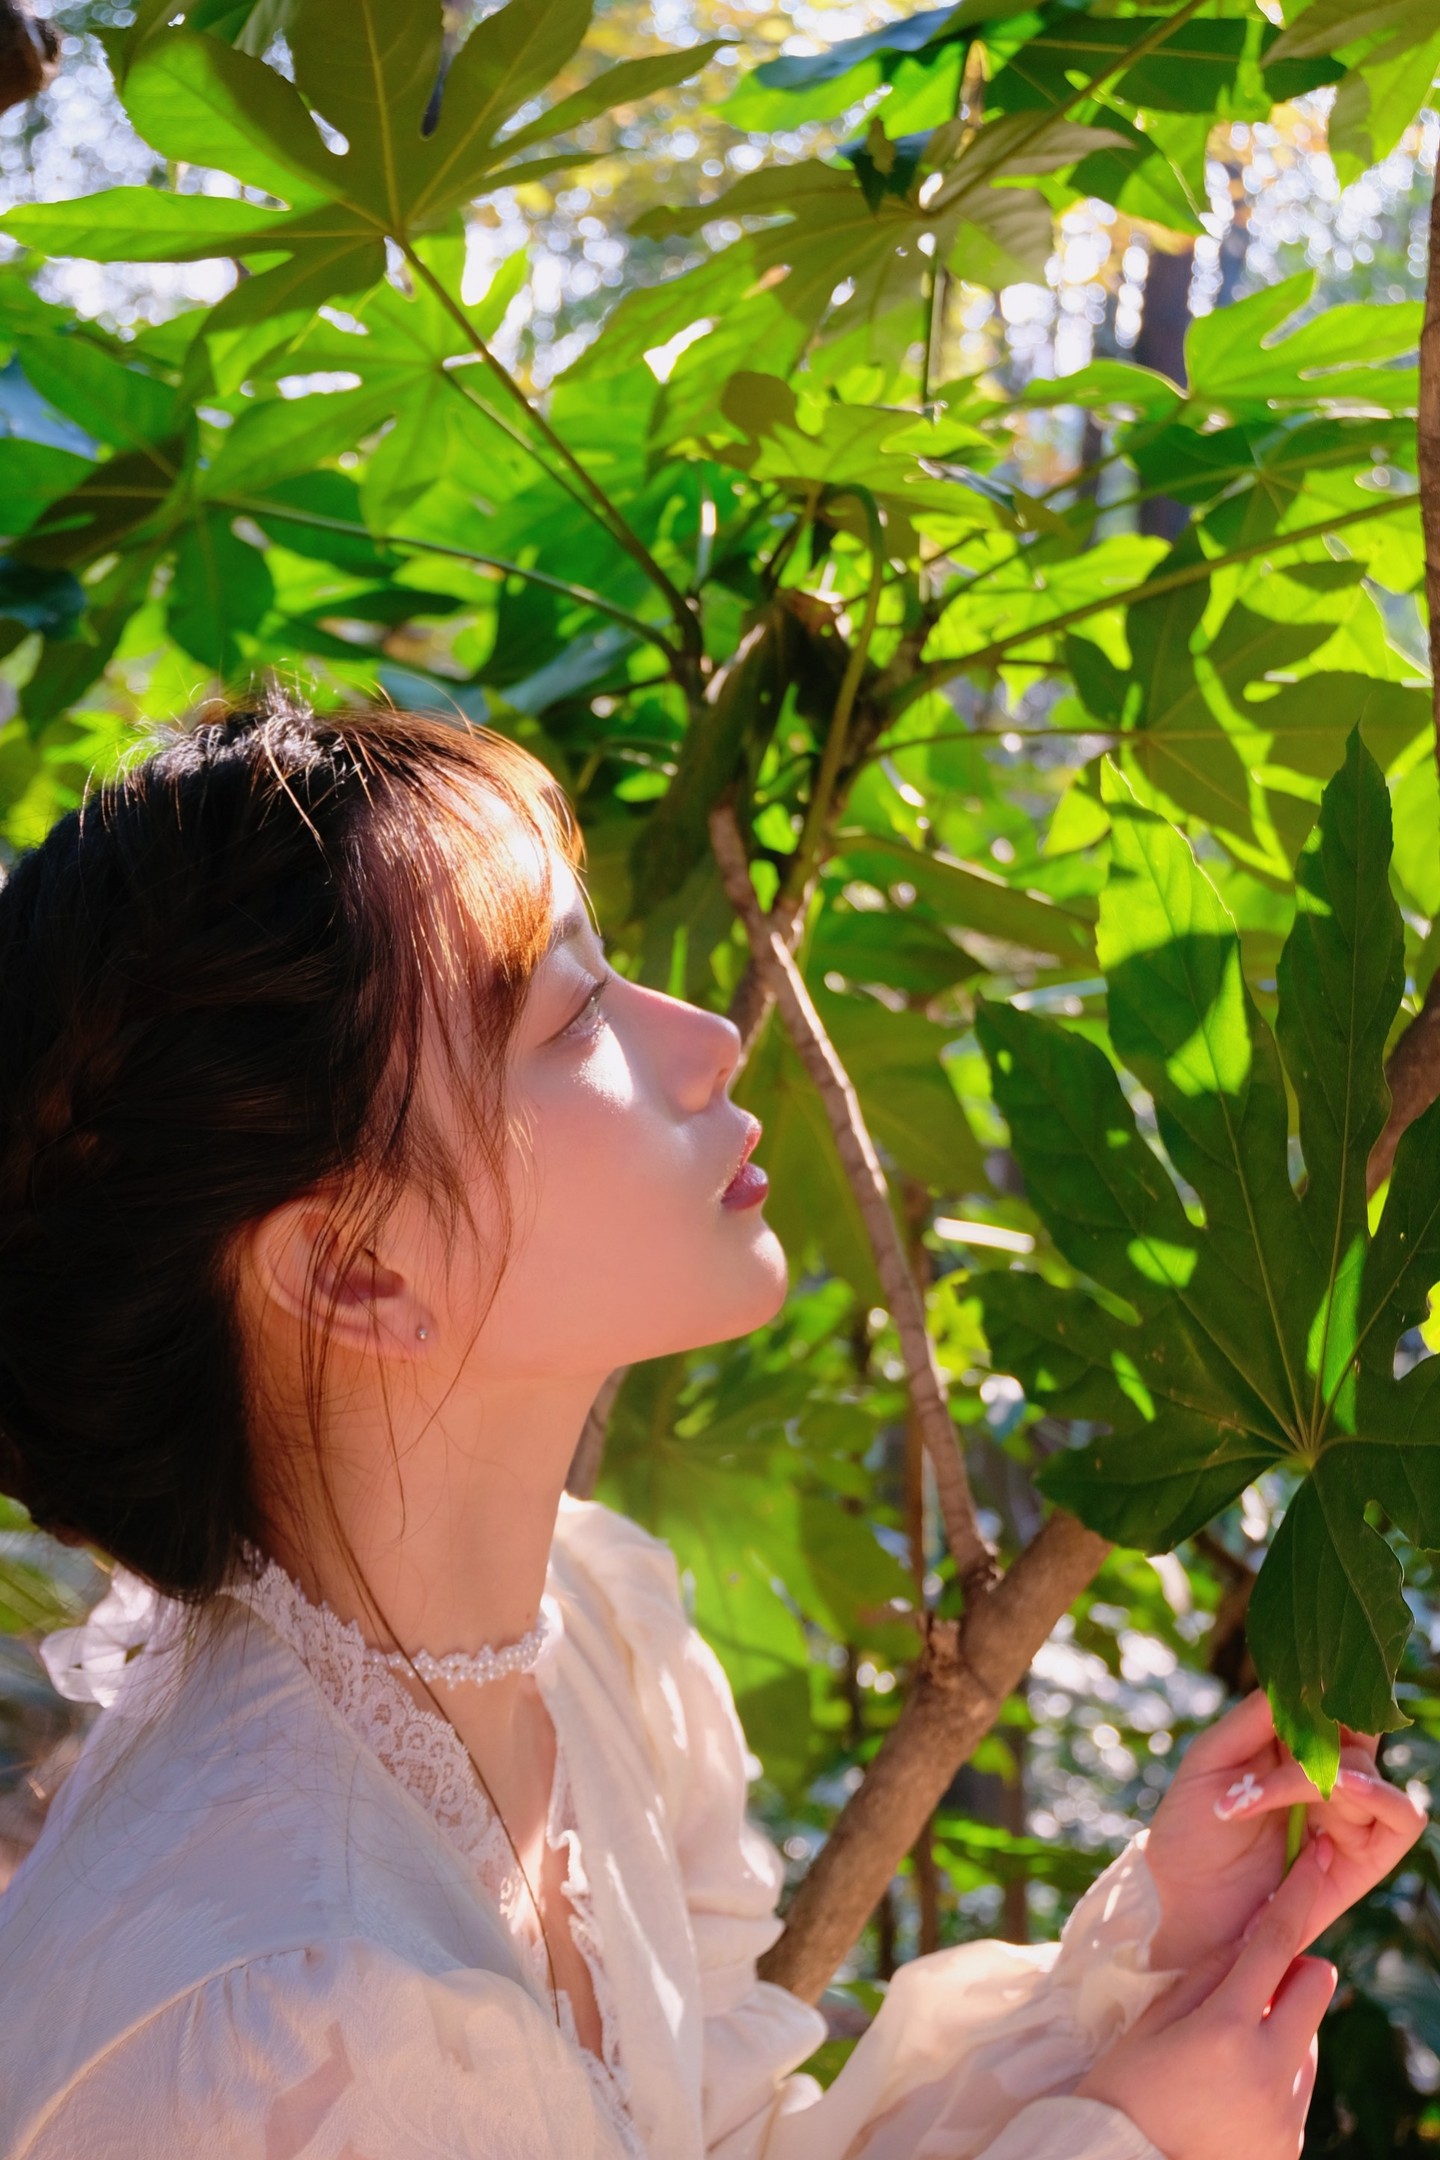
450 1530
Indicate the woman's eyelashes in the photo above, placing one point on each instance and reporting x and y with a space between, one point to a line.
586 1021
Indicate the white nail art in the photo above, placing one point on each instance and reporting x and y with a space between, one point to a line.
1245 1794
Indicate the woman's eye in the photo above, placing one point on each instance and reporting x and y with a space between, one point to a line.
582 1024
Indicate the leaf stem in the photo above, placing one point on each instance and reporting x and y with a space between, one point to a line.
1295 1825
602 508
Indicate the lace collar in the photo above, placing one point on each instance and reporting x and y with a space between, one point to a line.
316 1631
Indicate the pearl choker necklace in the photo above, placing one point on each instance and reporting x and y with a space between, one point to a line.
473 1668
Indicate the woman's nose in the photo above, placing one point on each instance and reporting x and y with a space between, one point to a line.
717 1053
707 1050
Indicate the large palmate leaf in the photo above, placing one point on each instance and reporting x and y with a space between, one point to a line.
379 169
1248 1325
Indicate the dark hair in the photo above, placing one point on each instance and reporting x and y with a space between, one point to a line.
214 978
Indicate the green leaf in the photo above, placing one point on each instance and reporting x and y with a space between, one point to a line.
974 898
1341 977
625 84
1183 1021
107 507
1327 1624
782 93
1265 1322
290 435
137 224
116 404
741 708
32 476
200 102
48 600
507 59
1325 26
222 587
1190 70
911 1108
370 67
336 255
1105 384
1308 721
1380 96
1237 358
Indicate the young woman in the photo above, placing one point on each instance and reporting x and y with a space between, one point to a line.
336 1173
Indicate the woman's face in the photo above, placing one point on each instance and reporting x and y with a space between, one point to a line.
622 1140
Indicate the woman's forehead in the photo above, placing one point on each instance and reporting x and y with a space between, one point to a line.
502 853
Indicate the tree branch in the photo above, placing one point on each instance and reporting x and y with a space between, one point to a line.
1413 1071
590 1452
967 1669
974 1561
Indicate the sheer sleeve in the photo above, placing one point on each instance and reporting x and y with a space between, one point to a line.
975 2049
333 2053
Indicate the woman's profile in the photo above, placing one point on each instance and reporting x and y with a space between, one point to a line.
337 1172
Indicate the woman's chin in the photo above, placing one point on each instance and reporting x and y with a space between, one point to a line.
769 1275
741 1296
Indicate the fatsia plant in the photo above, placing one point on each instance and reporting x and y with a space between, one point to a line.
1253 1317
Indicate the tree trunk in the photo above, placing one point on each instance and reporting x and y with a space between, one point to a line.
1164 320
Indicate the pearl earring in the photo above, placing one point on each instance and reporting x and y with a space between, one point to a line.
423 1334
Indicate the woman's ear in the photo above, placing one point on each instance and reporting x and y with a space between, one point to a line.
295 1256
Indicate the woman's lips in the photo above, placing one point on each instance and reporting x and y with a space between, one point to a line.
747 1188
749 1185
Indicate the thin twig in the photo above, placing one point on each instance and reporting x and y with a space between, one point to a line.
974 1560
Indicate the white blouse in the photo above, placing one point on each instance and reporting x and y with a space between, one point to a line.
271 1917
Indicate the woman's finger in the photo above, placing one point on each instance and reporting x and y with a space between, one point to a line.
1279 1932
1299 2003
1365 1792
1359 1799
1259 1786
1234 1738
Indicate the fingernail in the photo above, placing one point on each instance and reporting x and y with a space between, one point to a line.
1247 1792
1324 1853
1359 1780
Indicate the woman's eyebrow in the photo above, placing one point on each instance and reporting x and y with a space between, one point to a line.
567 927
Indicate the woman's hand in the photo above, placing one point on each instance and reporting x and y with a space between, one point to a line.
1216 1848
1223 2064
